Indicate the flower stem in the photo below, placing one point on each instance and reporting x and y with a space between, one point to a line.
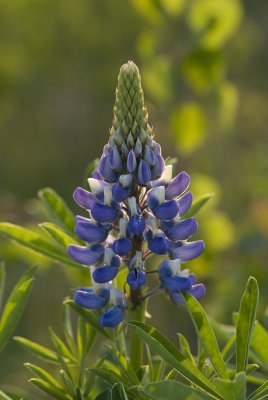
136 344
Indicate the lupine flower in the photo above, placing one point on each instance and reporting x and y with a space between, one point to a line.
135 209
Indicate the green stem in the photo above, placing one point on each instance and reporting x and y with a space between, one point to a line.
136 344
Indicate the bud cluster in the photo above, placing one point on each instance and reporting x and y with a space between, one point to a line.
135 210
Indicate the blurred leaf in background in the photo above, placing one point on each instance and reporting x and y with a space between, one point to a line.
204 69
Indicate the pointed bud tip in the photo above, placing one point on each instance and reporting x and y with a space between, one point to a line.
129 69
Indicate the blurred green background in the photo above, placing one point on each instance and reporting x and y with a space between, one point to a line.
204 71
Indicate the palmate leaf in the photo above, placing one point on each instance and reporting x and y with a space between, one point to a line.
36 243
67 382
49 389
14 306
110 376
206 334
245 323
60 347
56 233
168 351
36 349
173 390
198 203
115 358
58 209
41 373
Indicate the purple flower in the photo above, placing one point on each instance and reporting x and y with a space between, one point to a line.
136 225
185 203
104 213
134 208
112 317
86 297
122 246
105 273
186 251
86 255
198 291
136 278
89 231
144 173
182 230
178 185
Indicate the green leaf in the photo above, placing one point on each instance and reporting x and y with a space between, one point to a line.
67 328
173 390
229 349
85 337
260 393
15 306
49 389
206 334
150 363
159 372
41 373
4 396
214 22
190 118
118 392
40 351
245 323
68 384
60 347
105 395
259 345
198 203
232 390
223 331
58 209
35 242
167 350
185 348
89 316
122 363
2 283
110 376
58 234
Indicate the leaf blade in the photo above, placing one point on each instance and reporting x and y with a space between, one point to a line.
167 350
206 334
14 306
40 351
57 208
198 204
49 389
169 389
36 243
56 233
245 323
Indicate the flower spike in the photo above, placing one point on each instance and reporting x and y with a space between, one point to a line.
135 209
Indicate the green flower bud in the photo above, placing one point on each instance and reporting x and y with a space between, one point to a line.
130 114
